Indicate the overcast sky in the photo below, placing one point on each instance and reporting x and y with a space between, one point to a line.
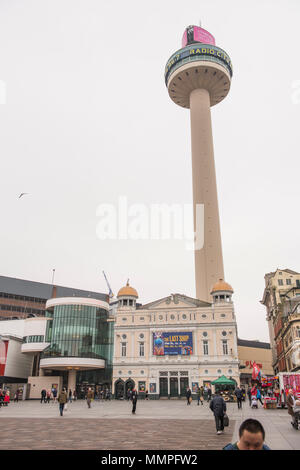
85 118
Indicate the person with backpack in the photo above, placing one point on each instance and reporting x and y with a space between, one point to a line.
239 397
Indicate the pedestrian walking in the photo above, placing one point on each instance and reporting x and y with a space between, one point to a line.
200 394
249 395
43 395
218 407
134 397
290 401
89 397
258 396
54 394
208 394
16 396
128 394
70 396
239 396
188 396
74 395
62 400
251 437
48 395
1 397
146 395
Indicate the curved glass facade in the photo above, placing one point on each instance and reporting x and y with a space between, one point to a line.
79 331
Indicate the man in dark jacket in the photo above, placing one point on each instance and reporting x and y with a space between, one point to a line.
249 395
134 396
239 396
188 395
43 395
218 407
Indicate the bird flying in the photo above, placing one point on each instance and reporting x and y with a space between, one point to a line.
22 194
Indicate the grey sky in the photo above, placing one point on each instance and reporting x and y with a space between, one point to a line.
88 119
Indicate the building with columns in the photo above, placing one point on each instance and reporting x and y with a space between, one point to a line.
173 343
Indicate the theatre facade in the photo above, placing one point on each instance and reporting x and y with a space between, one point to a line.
173 343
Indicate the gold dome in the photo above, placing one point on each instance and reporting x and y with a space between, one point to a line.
127 290
221 285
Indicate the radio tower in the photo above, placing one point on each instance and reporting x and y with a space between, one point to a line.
198 76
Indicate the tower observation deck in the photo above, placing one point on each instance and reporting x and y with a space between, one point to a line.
198 76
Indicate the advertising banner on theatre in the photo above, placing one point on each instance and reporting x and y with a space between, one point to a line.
3 355
173 343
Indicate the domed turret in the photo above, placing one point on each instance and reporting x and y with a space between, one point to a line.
127 296
222 291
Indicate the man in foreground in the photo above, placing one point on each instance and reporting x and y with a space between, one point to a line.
252 436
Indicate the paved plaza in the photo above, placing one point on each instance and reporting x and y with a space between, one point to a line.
157 425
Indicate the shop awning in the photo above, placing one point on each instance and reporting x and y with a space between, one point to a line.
223 381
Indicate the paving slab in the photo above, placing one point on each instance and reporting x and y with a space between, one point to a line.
157 425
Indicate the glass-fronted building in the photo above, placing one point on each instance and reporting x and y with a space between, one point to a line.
79 337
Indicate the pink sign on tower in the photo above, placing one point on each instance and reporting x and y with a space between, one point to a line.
199 35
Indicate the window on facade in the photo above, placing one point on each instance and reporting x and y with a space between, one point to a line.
131 302
123 349
184 317
205 347
225 346
142 349
280 282
289 282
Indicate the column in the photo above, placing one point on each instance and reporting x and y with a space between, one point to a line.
72 380
209 259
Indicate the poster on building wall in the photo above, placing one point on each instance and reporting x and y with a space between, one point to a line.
152 388
3 355
195 387
292 381
173 343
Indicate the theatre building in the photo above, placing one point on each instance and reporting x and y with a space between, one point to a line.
173 343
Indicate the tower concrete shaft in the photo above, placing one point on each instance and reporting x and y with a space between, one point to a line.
208 260
198 76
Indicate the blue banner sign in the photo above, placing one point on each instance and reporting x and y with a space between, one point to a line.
173 343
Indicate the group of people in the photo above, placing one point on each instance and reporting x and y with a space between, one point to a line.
203 393
47 395
4 397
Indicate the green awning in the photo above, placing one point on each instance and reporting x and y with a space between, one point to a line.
223 381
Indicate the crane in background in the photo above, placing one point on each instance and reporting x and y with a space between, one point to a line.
109 288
